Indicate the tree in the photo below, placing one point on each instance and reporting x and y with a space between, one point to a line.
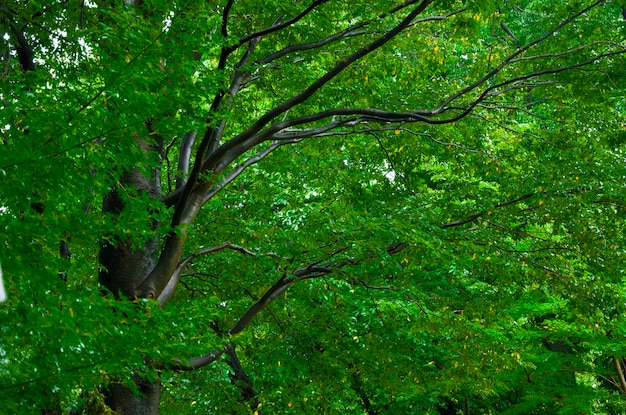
374 209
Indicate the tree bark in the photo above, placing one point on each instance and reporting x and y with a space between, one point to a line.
125 402
123 268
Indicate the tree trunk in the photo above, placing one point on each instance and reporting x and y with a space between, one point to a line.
123 269
124 402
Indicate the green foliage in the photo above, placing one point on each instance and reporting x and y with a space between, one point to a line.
504 293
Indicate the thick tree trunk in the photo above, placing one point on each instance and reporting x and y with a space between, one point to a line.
124 266
123 269
124 402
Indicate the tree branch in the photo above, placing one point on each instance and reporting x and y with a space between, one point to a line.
253 136
281 26
620 375
171 285
511 58
244 165
243 139
24 51
184 156
349 32
313 270
473 217
198 362
240 379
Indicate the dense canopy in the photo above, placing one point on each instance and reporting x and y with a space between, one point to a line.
316 206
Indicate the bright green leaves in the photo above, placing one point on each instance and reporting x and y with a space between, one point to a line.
481 261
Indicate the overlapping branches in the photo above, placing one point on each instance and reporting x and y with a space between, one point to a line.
342 117
193 194
316 269
339 120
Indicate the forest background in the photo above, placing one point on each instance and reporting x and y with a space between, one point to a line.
366 207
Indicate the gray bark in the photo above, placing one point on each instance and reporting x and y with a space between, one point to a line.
124 402
123 269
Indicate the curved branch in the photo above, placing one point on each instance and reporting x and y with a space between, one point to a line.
225 16
244 165
198 362
171 285
311 271
475 216
24 50
234 148
281 26
270 295
240 379
212 135
184 156
243 138
350 32
511 58
494 89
